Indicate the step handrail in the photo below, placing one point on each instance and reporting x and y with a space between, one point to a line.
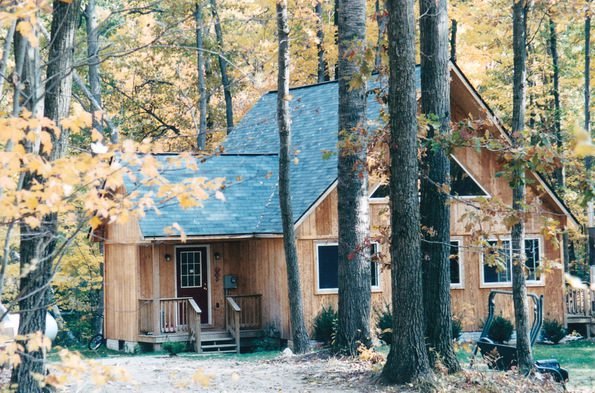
194 324
233 321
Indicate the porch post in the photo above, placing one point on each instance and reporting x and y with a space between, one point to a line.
156 290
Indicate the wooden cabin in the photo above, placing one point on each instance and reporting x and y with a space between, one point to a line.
228 280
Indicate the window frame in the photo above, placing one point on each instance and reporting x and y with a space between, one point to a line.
508 284
464 168
375 199
334 291
461 284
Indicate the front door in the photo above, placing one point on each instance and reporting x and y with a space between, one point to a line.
192 277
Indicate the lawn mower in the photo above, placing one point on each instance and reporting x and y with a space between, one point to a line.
503 356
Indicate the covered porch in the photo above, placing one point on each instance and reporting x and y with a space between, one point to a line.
193 293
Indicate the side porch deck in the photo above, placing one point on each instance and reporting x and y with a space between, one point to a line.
580 308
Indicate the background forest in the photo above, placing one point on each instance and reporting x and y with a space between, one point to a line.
138 70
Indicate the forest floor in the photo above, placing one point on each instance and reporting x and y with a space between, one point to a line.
272 372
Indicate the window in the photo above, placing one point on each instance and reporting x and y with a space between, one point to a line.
191 274
462 183
498 263
375 266
456 269
533 257
381 192
328 268
497 266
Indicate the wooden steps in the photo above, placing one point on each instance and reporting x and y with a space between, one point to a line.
218 341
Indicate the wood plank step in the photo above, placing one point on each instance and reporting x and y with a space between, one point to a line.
218 346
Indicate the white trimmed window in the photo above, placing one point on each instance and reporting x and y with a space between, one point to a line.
380 193
497 265
456 265
327 268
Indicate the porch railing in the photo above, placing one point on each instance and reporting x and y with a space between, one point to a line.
176 315
580 301
232 322
251 310
194 314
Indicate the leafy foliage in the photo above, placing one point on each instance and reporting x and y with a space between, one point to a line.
384 324
456 328
325 325
553 331
173 348
501 329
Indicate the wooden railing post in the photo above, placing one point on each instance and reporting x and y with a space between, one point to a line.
233 321
194 324
156 291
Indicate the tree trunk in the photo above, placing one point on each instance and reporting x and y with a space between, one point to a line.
298 327
587 115
37 244
201 139
223 68
354 221
407 360
435 207
381 21
322 64
519 287
93 59
453 41
559 172
6 55
336 23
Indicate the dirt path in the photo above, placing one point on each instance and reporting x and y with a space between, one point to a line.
160 374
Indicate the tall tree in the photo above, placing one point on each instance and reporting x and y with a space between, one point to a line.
93 59
408 359
435 207
381 22
6 55
453 40
559 172
354 221
298 327
201 139
37 244
322 71
518 182
225 81
587 115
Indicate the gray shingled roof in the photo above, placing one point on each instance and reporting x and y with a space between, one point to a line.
251 204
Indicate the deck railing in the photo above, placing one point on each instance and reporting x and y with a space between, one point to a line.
194 314
145 315
232 322
580 301
251 310
176 315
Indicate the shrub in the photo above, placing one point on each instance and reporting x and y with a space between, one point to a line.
174 347
325 325
384 324
501 330
553 331
456 328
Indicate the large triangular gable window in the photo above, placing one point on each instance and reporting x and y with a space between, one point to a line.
381 192
462 183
